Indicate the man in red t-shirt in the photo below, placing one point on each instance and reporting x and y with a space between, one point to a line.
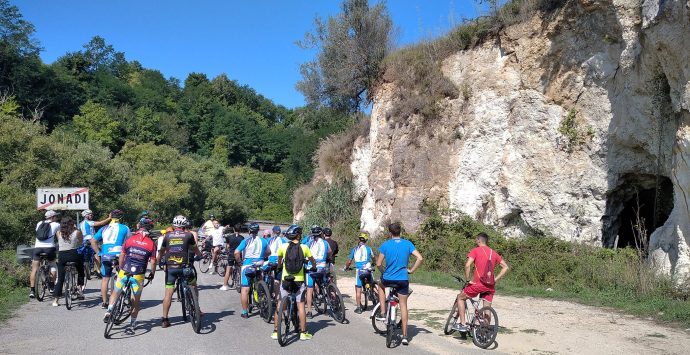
479 256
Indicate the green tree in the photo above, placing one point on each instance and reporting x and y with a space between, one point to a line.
220 150
147 125
95 123
16 32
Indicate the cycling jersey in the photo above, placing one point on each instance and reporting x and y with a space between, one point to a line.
113 236
281 253
139 249
274 243
217 234
319 249
207 228
178 245
361 254
252 249
86 228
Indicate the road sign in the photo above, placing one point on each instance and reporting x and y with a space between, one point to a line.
64 198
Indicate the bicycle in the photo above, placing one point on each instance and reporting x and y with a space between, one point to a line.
43 280
189 298
236 277
368 288
259 295
122 308
391 324
269 278
70 287
287 314
222 262
328 297
205 262
483 321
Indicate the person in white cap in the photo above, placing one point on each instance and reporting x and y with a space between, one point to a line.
45 243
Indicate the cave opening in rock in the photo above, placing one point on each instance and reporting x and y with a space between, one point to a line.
637 202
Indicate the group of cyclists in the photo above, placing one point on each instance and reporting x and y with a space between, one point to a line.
297 258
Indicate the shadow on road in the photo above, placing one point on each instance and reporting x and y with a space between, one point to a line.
413 330
315 327
125 332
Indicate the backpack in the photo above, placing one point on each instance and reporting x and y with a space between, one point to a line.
43 231
294 258
487 276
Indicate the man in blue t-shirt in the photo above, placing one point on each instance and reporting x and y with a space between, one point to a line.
396 251
113 236
250 253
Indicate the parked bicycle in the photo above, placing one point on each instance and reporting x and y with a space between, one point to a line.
287 313
393 321
368 287
269 278
205 262
43 281
222 262
482 321
327 297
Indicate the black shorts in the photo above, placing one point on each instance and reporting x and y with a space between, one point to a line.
51 253
171 275
403 286
231 259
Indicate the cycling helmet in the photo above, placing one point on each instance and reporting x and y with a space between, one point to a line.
254 228
316 230
294 230
364 236
85 213
143 214
180 221
327 232
276 229
267 233
116 214
211 216
146 223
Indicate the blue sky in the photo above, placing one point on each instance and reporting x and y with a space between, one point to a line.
253 41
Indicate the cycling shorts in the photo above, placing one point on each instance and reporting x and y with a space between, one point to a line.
295 286
478 289
51 254
320 272
360 273
171 275
247 269
403 286
107 266
137 283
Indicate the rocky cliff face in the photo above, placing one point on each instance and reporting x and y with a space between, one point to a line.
575 125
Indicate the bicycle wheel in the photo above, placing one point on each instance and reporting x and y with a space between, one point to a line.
265 304
113 315
451 320
236 278
192 306
336 302
379 326
87 271
485 327
125 304
284 321
390 329
182 301
365 299
220 268
205 263
319 301
41 283
67 289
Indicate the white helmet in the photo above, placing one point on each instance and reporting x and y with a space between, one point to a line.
180 221
51 214
85 213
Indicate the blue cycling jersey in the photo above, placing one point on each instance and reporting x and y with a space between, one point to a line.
361 254
86 228
274 243
397 252
253 249
319 250
113 236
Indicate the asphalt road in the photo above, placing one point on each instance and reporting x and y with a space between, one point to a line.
40 328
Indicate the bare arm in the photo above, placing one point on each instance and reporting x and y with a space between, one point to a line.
80 237
504 269
417 262
121 260
468 269
238 257
94 246
101 223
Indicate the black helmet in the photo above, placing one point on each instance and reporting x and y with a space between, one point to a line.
316 230
211 216
146 223
254 228
117 214
327 232
293 230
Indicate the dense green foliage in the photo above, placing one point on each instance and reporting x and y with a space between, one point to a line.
14 278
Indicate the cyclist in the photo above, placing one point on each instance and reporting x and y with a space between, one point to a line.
249 252
328 233
69 239
294 232
207 228
137 251
396 251
322 252
232 241
46 246
217 241
484 260
274 242
176 249
88 229
113 236
363 257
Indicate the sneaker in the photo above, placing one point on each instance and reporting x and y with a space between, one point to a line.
358 310
405 341
460 327
55 303
32 295
104 305
244 315
106 317
274 335
305 336
381 317
165 323
224 288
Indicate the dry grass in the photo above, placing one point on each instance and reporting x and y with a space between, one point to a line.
334 155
